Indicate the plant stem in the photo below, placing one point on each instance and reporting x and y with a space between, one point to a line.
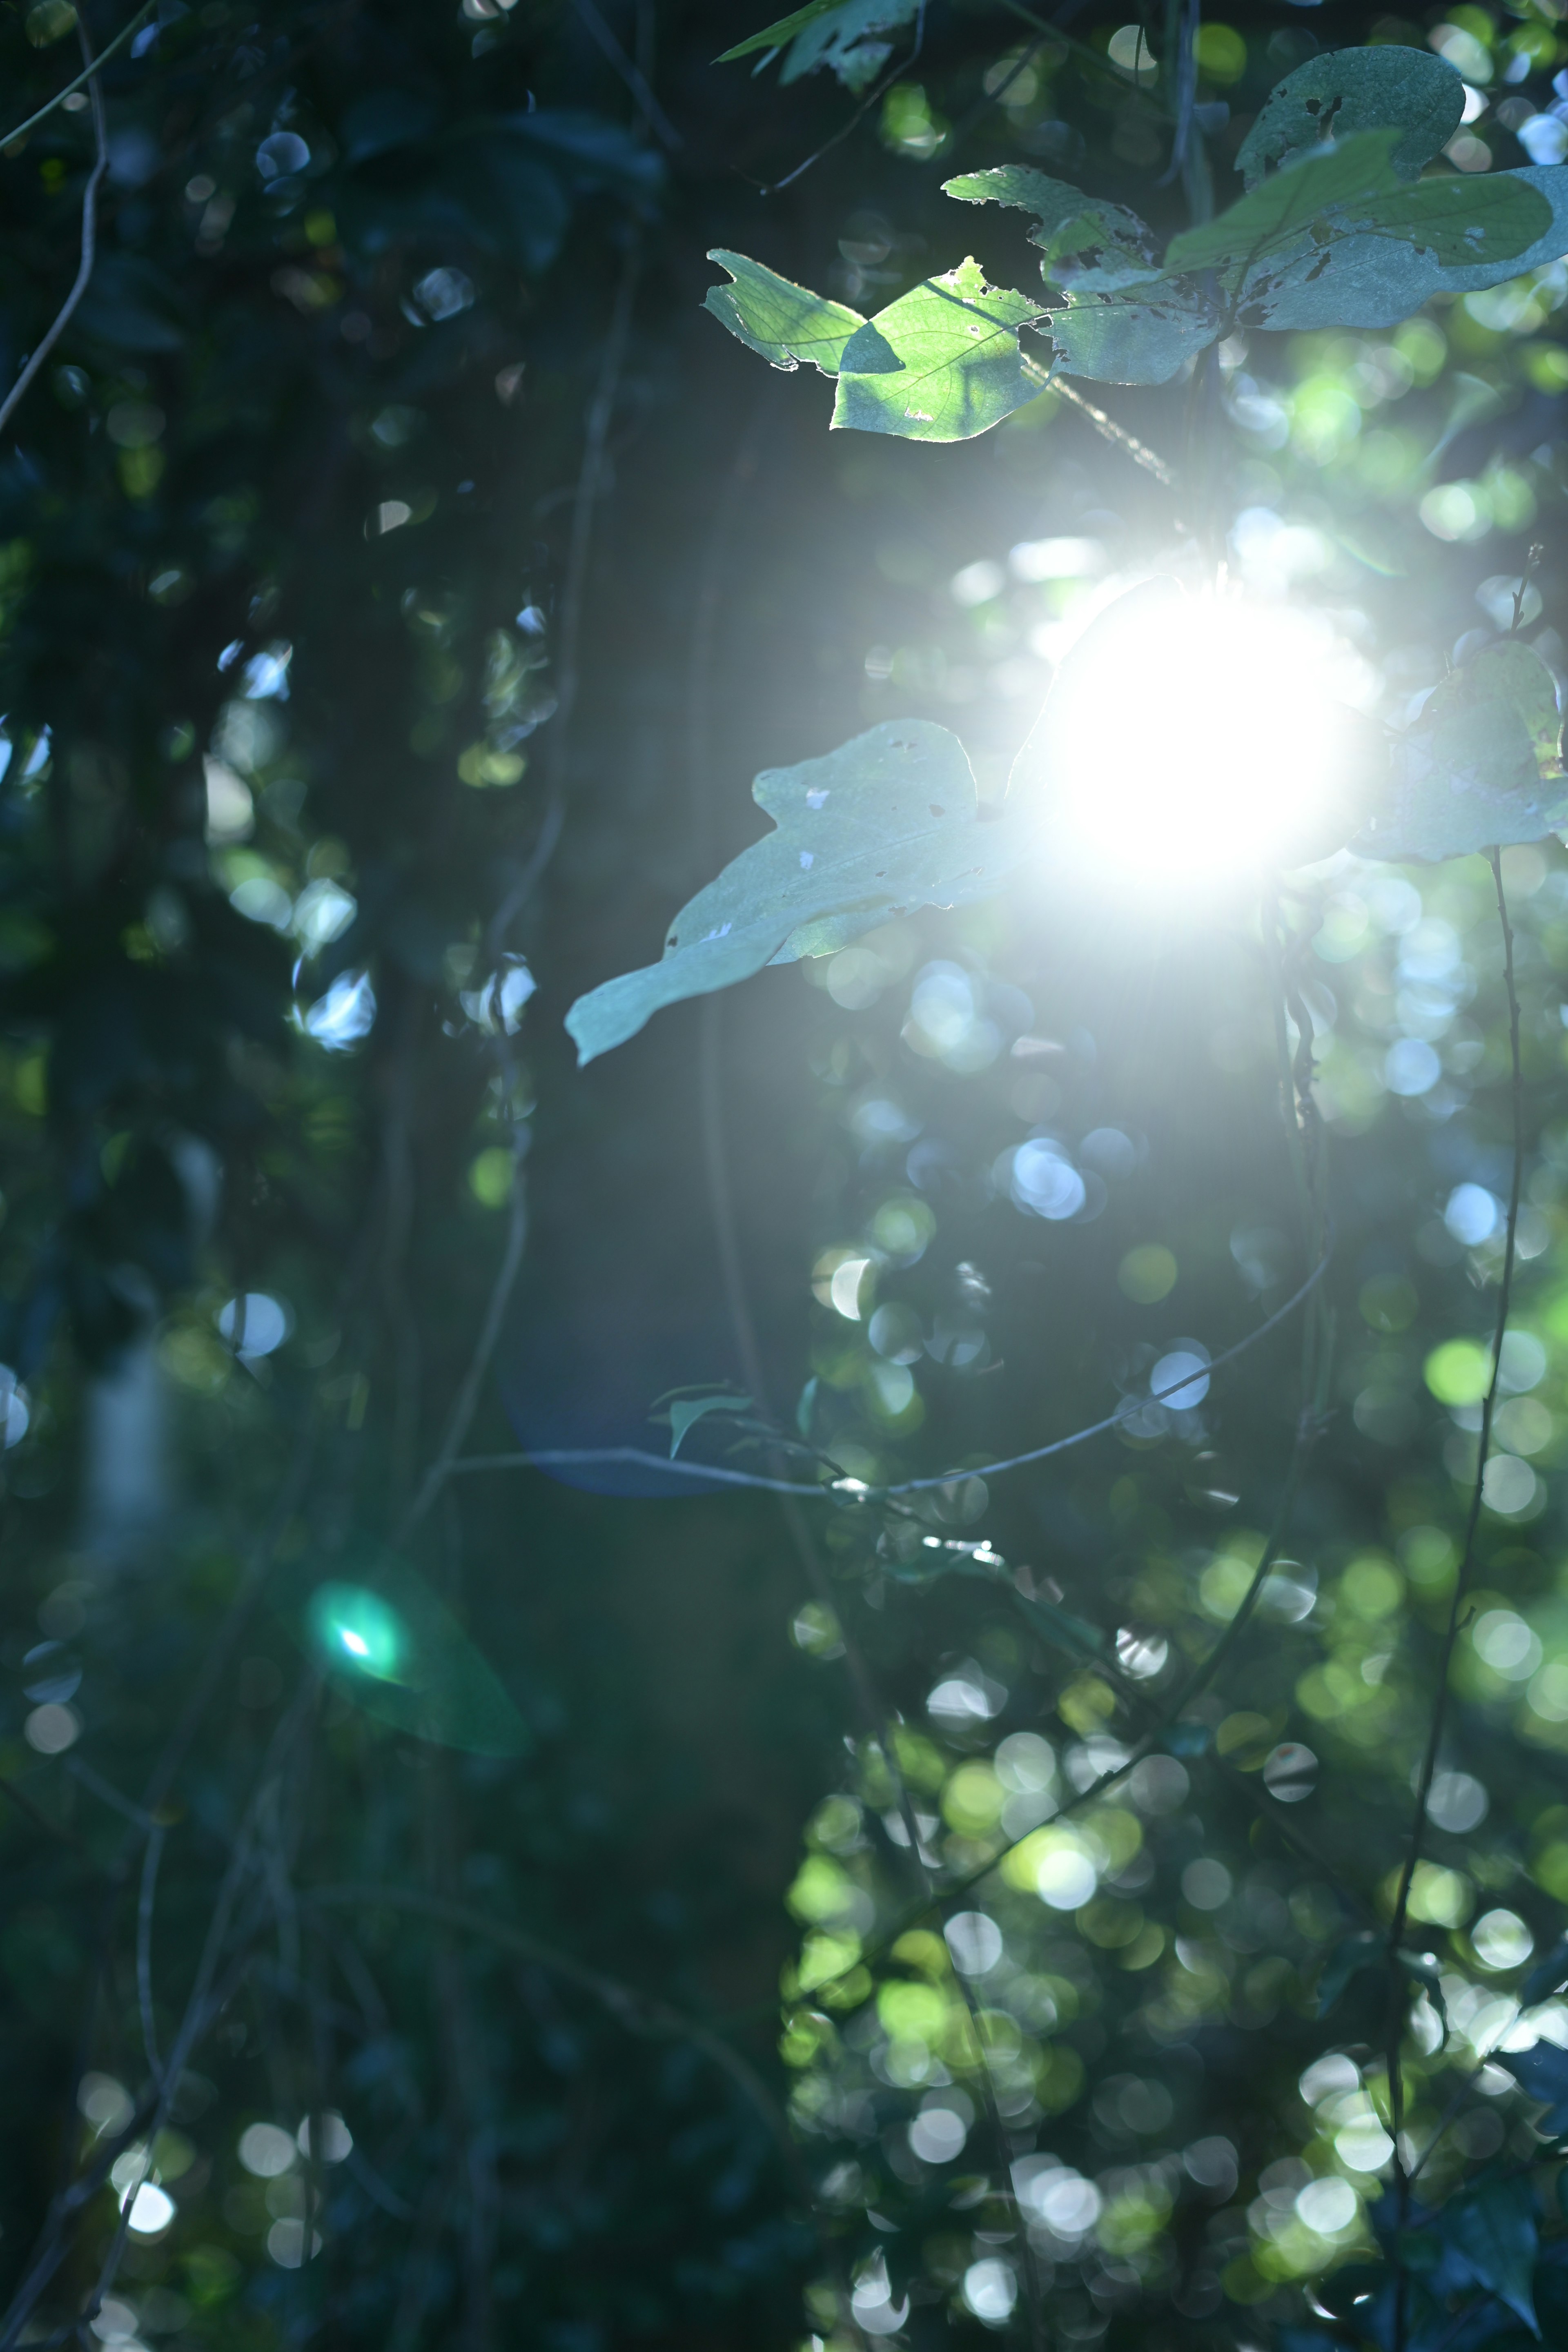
1396 1981
89 237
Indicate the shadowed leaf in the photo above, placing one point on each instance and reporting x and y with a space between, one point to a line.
1349 90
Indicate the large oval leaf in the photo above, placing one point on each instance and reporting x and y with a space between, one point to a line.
1347 90
886 823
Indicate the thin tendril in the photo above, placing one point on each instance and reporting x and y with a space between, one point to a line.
1396 1982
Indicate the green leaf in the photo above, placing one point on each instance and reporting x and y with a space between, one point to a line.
1112 328
786 323
1347 90
1459 221
389 1645
1541 2073
886 823
1359 279
1133 341
1068 224
1495 2235
942 363
687 1410
1277 211
1349 1956
1547 1976
845 39
1467 776
774 35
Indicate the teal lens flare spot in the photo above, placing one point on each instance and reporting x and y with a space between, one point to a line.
356 1629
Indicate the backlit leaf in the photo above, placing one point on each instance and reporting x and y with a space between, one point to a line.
886 823
942 363
1068 224
1130 341
687 1410
1468 775
1347 90
786 323
1280 208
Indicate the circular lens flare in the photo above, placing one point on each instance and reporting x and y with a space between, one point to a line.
355 1628
1191 739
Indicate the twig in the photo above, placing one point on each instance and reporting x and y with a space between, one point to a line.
466 1403
878 89
145 1904
93 65
88 236
589 490
635 80
1109 430
563 1458
1396 1988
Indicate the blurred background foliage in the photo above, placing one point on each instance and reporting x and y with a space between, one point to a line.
402 578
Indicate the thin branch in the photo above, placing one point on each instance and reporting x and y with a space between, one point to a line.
635 80
591 476
145 1901
466 1403
878 89
89 237
93 65
1111 431
565 1457
1396 1989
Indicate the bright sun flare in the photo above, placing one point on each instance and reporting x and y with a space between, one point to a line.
1193 738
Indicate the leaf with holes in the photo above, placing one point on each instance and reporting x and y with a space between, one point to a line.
785 322
1477 769
886 823
1121 323
942 363
1347 90
1068 224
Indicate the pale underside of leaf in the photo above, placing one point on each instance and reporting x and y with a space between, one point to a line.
1347 90
1356 278
942 363
785 322
1478 770
1129 340
885 822
1279 209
